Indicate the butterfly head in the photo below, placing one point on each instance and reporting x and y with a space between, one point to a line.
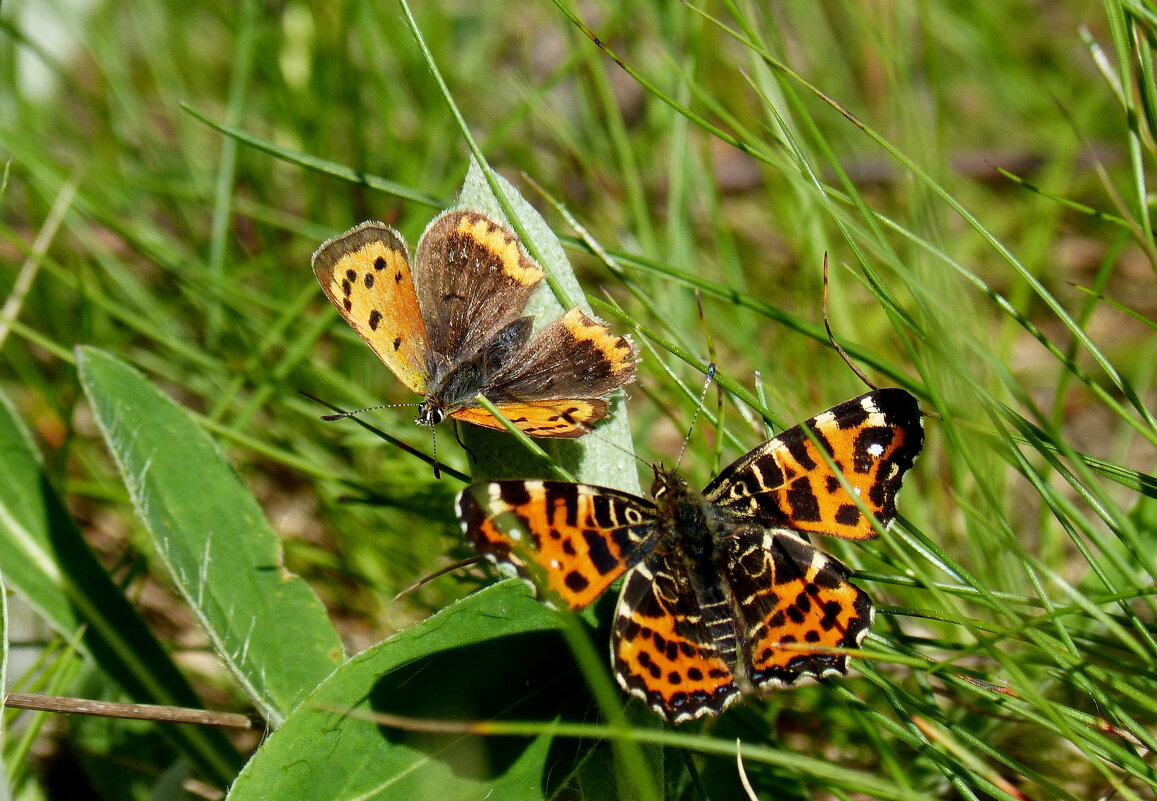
667 484
430 412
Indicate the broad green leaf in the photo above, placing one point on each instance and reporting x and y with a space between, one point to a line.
266 624
495 654
44 558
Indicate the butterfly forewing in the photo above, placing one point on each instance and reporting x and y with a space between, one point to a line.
672 646
472 278
786 482
573 357
365 273
569 540
794 603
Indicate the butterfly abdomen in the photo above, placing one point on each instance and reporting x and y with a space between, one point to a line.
693 534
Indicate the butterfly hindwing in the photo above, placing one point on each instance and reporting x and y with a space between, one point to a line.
786 482
554 387
671 645
569 540
560 419
366 275
794 604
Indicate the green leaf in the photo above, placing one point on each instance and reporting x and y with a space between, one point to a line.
495 654
267 625
47 561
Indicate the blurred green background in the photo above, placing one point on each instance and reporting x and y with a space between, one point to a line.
977 175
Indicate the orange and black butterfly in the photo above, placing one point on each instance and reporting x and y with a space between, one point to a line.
723 592
450 325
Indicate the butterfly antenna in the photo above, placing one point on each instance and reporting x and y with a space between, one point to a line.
832 339
434 443
710 340
329 418
397 443
447 569
710 376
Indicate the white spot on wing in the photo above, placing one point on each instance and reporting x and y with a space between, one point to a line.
876 449
875 416
824 419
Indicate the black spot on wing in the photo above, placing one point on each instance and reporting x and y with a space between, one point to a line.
802 502
832 575
575 581
790 558
849 414
600 555
624 539
603 511
568 496
801 453
848 515
832 610
880 438
514 493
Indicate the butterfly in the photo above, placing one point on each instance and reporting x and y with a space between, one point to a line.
723 592
450 325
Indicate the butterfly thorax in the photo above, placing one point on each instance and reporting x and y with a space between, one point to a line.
692 522
456 381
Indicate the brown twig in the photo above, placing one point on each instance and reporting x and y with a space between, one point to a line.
111 709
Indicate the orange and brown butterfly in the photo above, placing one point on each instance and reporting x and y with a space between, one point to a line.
723 592
450 325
